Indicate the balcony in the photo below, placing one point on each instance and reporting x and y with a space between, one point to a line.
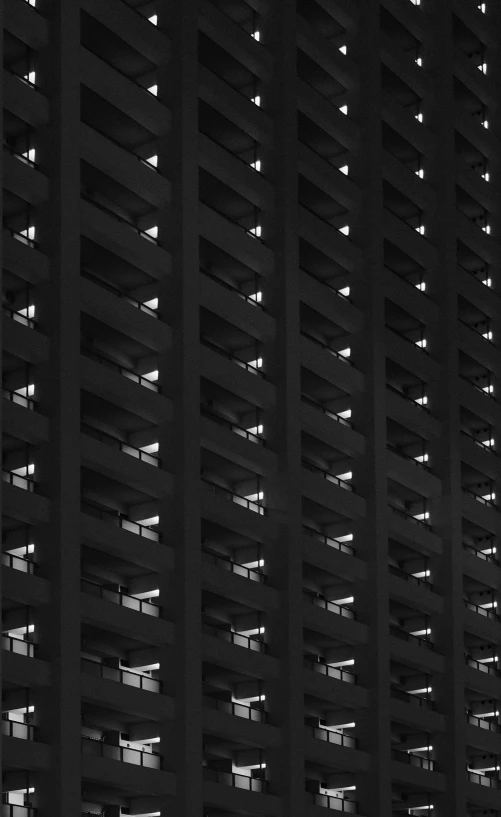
237 709
18 317
120 520
235 638
14 729
226 563
320 601
409 517
332 737
328 540
327 475
119 294
94 589
409 698
128 373
483 780
20 563
238 781
122 676
413 639
149 760
313 665
18 646
19 399
408 577
18 481
480 554
220 350
223 421
115 442
413 760
219 490
483 667
481 610
326 346
11 810
481 723
334 803
311 402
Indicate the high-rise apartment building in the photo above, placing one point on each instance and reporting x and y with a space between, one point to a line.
251 419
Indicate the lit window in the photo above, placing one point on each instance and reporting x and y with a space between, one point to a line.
344 291
482 67
422 401
257 364
27 235
416 2
152 231
346 478
488 442
153 89
421 286
257 101
25 470
421 516
31 77
30 155
153 19
343 49
344 109
489 389
345 352
420 173
421 343
32 3
486 176
421 458
151 304
151 449
256 35
256 231
487 335
489 497
257 297
344 169
487 229
345 415
419 61
151 376
345 230
153 161
255 429
487 282
420 229
419 117
257 165
485 123
422 574
482 7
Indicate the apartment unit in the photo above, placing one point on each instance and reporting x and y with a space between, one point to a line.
251 423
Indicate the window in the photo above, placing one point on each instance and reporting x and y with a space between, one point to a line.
256 165
257 101
343 49
153 89
153 19
256 36
344 109
344 169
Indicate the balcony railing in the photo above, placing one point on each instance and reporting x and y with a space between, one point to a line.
23 239
409 517
220 350
327 475
115 442
487 557
232 287
481 723
332 672
119 520
408 577
242 432
117 217
128 373
414 639
406 397
408 697
489 668
478 442
122 676
481 610
400 453
333 737
14 729
483 780
328 540
17 481
235 638
19 318
18 563
483 501
228 564
94 589
250 504
473 329
413 760
150 760
320 601
11 810
19 399
311 402
326 346
18 646
311 274
233 708
476 386
238 781
118 292
334 803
